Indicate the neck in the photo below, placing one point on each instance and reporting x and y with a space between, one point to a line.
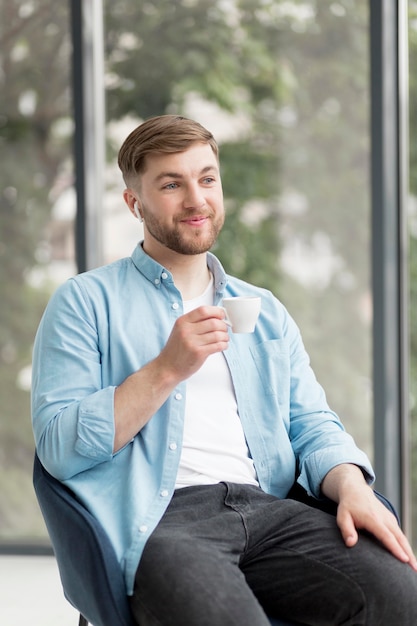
190 272
192 279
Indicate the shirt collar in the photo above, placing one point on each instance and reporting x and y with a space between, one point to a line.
157 273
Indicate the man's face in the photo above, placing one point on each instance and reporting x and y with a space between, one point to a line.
181 201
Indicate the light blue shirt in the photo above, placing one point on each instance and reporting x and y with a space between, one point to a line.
102 326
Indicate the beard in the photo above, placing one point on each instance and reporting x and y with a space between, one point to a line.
196 241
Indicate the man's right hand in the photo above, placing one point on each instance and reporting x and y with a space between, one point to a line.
195 336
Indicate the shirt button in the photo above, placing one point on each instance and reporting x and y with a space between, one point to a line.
156 281
178 396
143 528
164 493
175 306
173 446
164 275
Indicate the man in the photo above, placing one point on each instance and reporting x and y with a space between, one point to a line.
184 439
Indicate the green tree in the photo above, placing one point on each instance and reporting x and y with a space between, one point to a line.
160 52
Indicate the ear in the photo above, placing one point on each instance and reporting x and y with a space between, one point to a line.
130 197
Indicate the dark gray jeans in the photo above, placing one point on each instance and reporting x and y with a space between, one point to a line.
229 554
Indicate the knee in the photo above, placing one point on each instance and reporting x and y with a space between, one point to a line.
392 595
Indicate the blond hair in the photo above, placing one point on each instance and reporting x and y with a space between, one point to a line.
159 135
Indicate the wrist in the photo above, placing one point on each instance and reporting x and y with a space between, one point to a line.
343 479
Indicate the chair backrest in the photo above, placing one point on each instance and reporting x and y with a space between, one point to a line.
90 572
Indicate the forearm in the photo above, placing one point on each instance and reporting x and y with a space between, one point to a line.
194 337
343 480
138 398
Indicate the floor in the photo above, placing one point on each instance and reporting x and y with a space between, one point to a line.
31 593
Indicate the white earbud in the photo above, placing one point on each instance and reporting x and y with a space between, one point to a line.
136 212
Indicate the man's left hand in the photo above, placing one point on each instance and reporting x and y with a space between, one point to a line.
359 509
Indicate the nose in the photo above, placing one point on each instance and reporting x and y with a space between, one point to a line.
194 197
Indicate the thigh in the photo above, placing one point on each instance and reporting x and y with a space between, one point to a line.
299 568
189 572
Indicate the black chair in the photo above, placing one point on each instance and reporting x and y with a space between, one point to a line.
90 572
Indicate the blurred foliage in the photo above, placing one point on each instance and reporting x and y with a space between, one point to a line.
298 74
34 75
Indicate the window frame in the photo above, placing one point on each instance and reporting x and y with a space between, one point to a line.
389 184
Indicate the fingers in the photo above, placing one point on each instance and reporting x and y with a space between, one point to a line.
195 336
206 324
347 529
204 313
384 527
409 551
396 542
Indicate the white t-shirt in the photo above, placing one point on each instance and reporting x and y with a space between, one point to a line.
214 445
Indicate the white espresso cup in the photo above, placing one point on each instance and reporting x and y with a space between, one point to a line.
242 312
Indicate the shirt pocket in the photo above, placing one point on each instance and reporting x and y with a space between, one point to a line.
272 362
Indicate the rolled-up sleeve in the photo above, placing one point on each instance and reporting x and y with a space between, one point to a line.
72 415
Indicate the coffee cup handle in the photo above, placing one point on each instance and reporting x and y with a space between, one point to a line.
226 318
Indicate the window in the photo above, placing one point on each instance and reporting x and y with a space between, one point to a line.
285 88
36 227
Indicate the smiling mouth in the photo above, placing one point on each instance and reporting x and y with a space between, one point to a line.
198 220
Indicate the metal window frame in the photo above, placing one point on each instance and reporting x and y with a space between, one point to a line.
389 182
89 136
